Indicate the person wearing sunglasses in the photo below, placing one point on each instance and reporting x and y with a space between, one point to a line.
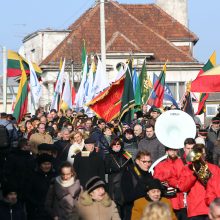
134 181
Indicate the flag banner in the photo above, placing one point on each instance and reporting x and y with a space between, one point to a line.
204 96
208 80
107 104
100 81
20 108
157 95
67 95
168 96
187 104
83 55
14 65
80 96
145 84
35 87
58 87
127 101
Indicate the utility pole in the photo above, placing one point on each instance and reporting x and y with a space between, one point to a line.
102 33
4 58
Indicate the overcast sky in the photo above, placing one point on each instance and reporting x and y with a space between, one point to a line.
19 18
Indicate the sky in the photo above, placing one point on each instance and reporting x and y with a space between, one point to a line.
23 17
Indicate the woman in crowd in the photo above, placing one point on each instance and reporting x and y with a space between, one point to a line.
95 203
28 129
76 147
63 194
115 163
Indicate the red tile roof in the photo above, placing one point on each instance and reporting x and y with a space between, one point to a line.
129 28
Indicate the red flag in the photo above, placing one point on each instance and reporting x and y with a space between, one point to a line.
204 96
107 104
208 80
158 90
73 95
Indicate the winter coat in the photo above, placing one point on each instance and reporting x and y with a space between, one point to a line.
11 212
141 203
87 167
61 199
17 168
213 188
36 190
93 210
167 169
38 138
213 135
133 184
101 141
216 154
196 192
62 147
153 146
131 146
115 164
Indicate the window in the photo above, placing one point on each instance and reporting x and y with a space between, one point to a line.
211 110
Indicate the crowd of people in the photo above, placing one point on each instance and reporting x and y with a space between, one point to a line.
64 165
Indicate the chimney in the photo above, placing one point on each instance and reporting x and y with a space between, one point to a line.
178 9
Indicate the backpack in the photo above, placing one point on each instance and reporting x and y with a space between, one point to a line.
4 137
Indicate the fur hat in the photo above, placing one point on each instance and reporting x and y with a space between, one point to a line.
94 183
154 184
89 141
44 158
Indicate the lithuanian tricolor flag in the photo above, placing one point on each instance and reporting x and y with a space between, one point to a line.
194 86
22 96
14 65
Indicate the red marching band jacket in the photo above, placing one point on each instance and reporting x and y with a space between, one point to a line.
196 191
171 170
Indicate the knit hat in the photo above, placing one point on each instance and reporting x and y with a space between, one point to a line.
44 158
94 183
153 184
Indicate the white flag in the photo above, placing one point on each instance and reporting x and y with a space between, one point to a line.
80 96
101 81
67 95
59 84
35 87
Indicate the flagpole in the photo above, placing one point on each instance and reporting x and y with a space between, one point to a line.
102 33
4 56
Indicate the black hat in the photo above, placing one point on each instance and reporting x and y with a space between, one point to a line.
46 147
44 158
154 184
6 189
94 183
89 141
